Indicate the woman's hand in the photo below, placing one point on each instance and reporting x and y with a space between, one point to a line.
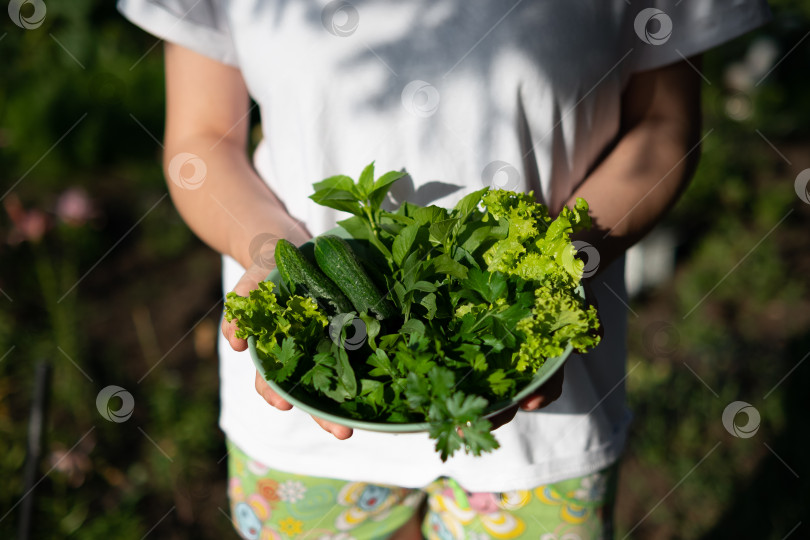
542 397
264 390
249 281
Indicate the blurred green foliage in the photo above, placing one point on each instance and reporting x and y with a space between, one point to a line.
81 104
736 313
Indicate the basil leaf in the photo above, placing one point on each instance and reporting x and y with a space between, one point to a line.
403 242
365 184
381 187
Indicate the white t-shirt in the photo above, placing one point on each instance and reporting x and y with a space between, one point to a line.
523 94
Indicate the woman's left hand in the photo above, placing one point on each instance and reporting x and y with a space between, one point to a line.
542 397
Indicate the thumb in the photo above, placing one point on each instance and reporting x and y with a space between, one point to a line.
250 279
248 282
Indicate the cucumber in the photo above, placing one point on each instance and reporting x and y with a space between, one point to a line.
337 260
298 273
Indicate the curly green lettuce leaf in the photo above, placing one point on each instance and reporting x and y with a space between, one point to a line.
281 332
556 243
536 246
523 213
539 249
559 317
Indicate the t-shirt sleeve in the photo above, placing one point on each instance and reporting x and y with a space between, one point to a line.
199 25
670 30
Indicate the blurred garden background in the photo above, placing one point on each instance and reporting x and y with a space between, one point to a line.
101 279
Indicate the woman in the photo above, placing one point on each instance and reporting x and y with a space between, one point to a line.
595 99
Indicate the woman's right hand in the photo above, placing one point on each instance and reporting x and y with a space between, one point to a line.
249 281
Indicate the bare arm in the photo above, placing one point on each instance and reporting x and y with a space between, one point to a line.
642 176
652 162
207 115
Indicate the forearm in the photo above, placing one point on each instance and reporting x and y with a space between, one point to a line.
651 163
230 206
635 186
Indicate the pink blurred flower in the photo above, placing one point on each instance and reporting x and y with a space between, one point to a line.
75 464
28 225
74 207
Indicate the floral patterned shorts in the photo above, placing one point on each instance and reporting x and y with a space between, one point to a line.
268 504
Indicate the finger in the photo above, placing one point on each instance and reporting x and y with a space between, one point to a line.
339 431
532 403
229 331
269 395
547 394
250 279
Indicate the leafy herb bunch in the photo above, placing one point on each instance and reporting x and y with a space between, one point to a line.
486 292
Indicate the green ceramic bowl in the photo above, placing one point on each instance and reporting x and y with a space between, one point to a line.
321 409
